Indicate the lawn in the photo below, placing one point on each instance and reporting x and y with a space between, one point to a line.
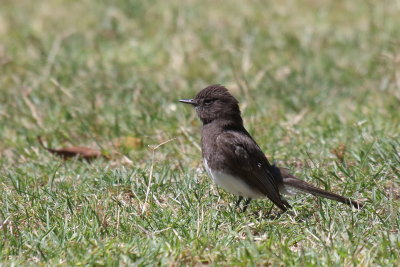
319 88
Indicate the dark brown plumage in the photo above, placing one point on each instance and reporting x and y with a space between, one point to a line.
235 161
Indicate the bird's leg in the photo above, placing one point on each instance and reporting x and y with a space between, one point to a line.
246 204
238 201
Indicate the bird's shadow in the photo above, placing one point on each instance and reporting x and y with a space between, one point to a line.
274 214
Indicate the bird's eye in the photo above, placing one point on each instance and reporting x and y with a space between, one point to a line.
208 101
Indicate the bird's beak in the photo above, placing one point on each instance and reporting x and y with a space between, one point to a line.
188 101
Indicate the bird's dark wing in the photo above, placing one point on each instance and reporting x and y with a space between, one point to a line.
244 156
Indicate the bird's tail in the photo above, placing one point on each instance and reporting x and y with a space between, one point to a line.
291 183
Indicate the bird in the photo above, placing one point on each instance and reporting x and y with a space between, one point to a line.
234 160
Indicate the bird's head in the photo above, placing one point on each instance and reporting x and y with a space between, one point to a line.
215 102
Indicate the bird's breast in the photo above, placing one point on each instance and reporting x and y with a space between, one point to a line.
233 184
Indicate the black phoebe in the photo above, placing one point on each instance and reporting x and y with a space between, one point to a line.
234 160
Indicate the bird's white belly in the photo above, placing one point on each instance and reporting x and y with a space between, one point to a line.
232 184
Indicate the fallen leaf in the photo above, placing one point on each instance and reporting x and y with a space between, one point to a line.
129 142
75 151
339 152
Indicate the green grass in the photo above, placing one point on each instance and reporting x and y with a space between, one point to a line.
310 76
